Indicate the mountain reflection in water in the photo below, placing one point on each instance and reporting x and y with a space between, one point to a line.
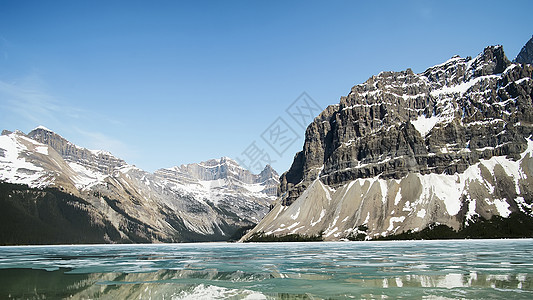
410 269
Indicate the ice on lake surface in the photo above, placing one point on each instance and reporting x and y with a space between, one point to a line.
471 269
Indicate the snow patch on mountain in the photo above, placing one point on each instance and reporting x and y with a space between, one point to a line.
14 165
85 178
424 124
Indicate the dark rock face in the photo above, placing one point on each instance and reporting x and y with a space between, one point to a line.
526 54
440 121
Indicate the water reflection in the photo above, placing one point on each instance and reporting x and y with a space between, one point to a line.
452 280
410 270
212 284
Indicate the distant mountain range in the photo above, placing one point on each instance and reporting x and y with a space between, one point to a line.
444 153
53 191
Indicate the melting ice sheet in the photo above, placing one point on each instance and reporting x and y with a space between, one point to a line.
408 269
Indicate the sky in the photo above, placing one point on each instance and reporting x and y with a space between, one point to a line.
165 83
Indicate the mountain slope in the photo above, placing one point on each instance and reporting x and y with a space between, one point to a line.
404 151
526 54
198 202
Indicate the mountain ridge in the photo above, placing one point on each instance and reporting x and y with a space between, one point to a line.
525 56
402 151
139 205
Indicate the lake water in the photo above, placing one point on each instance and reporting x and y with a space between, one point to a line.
472 269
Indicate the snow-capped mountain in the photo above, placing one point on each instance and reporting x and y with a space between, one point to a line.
403 151
196 202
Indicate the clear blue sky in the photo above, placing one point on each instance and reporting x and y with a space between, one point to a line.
163 83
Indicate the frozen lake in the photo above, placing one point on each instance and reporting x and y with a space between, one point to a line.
480 269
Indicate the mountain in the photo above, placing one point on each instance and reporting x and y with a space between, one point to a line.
405 153
46 178
526 54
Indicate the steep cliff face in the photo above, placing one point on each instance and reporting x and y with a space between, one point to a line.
526 54
96 161
403 151
207 201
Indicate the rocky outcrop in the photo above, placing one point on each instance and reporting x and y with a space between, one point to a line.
526 54
98 161
381 156
401 122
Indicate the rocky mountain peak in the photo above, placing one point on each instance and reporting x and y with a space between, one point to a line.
397 118
47 136
223 168
403 150
492 61
268 173
526 54
101 161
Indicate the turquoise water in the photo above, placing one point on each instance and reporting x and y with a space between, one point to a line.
471 269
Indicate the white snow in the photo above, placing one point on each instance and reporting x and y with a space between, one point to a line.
529 149
43 128
279 211
322 214
394 220
13 166
519 81
127 168
42 150
421 213
503 207
522 204
510 167
510 67
383 187
367 218
461 88
254 188
471 210
293 225
85 177
407 206
398 197
424 125
295 216
444 187
213 184
331 229
100 152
